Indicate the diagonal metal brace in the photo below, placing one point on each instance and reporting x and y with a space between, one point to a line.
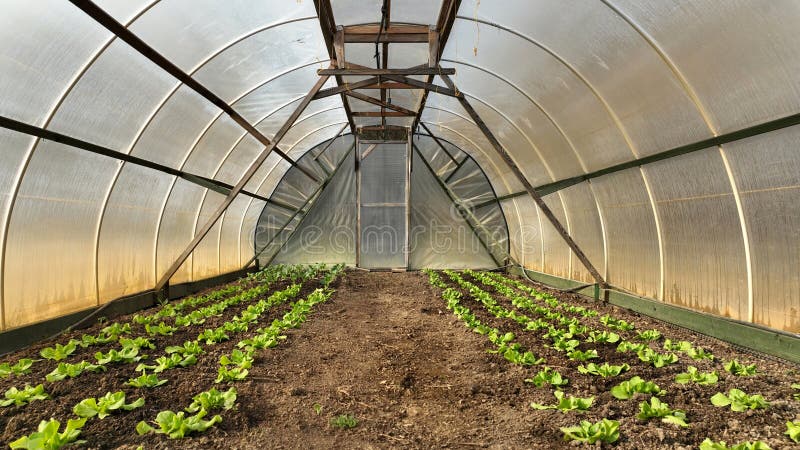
548 213
240 185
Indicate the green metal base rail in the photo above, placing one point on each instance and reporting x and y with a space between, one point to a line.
758 338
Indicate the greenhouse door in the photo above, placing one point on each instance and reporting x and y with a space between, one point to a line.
383 170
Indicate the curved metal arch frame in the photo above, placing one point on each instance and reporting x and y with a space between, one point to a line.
202 202
227 155
703 111
22 171
704 114
466 154
209 58
580 161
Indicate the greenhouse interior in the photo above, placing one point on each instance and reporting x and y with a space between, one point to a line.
459 224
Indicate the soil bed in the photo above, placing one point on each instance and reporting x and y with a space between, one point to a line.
385 349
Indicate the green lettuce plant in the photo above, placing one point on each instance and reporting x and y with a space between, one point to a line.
616 324
47 436
627 346
692 375
124 356
708 444
741 370
649 355
233 373
146 380
649 335
604 370
548 376
635 385
604 431
213 399
739 401
344 421
24 396
65 370
578 355
59 352
566 403
658 409
161 329
603 337
796 387
103 406
188 348
21 367
178 425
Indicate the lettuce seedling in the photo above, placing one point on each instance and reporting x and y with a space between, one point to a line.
741 370
65 370
649 335
565 345
566 403
188 348
681 346
126 355
616 324
87 340
169 362
604 370
658 409
234 373
22 367
699 353
578 355
517 357
627 389
548 376
656 359
145 381
708 444
604 431
797 395
137 343
116 329
695 376
47 437
739 401
160 329
59 352
213 336
178 425
23 397
603 337
793 431
238 358
213 399
627 346
344 421
102 407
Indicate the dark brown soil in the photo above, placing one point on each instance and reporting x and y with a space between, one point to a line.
385 350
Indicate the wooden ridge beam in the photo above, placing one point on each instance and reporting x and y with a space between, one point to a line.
328 27
382 114
344 87
360 72
377 102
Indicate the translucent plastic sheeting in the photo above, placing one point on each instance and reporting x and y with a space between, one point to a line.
327 233
384 208
187 31
704 254
488 221
524 231
65 39
177 228
745 70
557 255
126 244
63 186
767 173
637 88
632 238
205 258
15 146
439 237
585 228
230 253
354 12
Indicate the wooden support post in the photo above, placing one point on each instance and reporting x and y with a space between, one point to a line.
357 168
526 184
338 47
240 185
433 46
